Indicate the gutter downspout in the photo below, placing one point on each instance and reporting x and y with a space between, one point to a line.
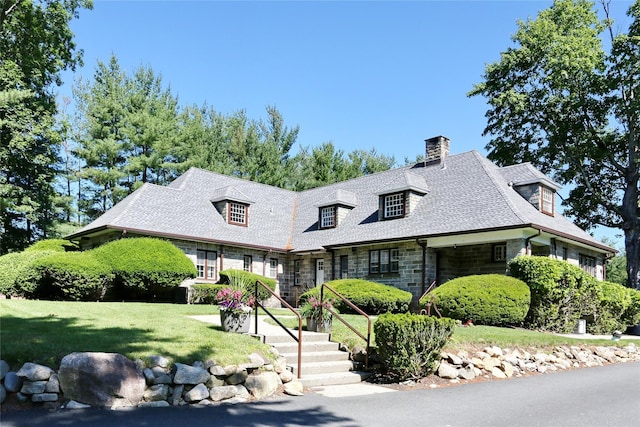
423 283
528 240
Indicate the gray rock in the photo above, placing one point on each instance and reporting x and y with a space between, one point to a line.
101 379
217 370
191 375
157 371
76 405
12 382
467 373
359 354
263 384
4 368
23 398
44 397
447 371
163 379
176 396
454 359
53 385
294 388
154 404
149 377
3 393
198 364
237 378
160 361
34 372
241 391
498 373
214 382
33 387
256 360
196 394
156 392
223 392
286 376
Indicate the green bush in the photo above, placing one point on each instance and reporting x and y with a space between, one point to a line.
15 268
371 297
561 293
410 344
57 245
489 299
245 280
204 293
145 268
619 307
69 276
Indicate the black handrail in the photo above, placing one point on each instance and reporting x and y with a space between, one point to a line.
287 305
354 307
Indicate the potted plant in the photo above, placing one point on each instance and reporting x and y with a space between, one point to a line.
235 309
317 314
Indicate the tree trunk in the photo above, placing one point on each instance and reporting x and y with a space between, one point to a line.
632 247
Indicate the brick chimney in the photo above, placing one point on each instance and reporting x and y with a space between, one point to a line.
437 148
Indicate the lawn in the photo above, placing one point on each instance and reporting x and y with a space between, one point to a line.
45 331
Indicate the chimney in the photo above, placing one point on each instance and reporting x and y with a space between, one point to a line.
437 148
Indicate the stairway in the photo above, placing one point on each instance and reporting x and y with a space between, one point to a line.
322 362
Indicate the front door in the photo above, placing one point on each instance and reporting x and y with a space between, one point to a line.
319 272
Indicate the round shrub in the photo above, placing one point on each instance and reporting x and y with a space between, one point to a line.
205 293
145 268
14 268
57 245
69 276
490 299
618 308
371 297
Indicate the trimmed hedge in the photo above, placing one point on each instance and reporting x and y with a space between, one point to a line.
145 268
619 307
205 293
57 245
15 267
410 344
489 299
371 297
245 280
69 276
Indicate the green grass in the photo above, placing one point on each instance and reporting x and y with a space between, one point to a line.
45 331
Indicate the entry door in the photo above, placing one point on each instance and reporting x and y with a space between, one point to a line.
319 272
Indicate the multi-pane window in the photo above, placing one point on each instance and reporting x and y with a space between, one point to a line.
394 205
297 265
206 264
344 266
384 261
500 252
273 268
588 264
546 200
248 262
237 213
328 217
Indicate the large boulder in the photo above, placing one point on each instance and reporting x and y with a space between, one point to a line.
101 379
262 385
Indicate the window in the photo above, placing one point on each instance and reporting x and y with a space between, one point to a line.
546 202
500 252
565 254
237 213
297 265
206 264
588 264
384 261
393 205
273 268
328 217
344 266
248 263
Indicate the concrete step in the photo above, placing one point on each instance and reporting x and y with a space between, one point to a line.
338 378
307 347
306 337
316 356
312 368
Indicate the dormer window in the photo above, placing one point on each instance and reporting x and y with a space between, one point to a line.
328 217
238 213
546 200
393 205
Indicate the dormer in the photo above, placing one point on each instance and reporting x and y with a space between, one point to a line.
233 205
398 198
540 192
335 208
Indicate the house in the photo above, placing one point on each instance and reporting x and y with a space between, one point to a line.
449 216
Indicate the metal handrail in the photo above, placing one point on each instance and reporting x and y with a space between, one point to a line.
287 305
354 307
432 300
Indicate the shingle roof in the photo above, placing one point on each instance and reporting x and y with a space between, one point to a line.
468 194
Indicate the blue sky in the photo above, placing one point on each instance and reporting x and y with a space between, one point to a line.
363 75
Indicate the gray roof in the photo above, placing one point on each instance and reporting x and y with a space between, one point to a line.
468 194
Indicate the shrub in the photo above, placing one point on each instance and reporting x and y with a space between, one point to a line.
57 245
15 268
618 308
75 276
561 293
245 280
371 297
410 344
205 293
145 268
490 299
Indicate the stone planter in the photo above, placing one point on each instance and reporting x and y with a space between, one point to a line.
235 321
314 326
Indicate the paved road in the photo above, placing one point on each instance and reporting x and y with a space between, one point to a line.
605 396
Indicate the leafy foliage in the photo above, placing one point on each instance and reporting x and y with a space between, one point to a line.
371 297
204 293
410 344
15 267
245 281
618 308
56 245
490 299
